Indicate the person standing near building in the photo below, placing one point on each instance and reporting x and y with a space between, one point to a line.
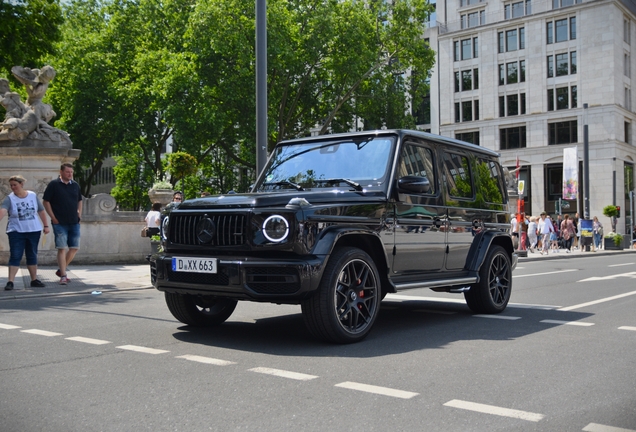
514 230
546 229
568 233
153 218
532 233
23 229
597 231
63 202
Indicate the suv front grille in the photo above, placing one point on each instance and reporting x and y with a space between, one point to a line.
230 229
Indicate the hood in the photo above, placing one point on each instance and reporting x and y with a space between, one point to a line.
281 199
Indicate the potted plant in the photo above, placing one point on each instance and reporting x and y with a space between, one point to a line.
613 241
611 211
161 192
155 244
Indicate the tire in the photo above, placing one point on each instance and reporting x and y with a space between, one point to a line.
348 298
199 311
492 293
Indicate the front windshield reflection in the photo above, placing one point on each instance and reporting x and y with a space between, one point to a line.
312 165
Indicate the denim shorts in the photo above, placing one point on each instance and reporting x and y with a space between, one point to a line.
67 236
23 243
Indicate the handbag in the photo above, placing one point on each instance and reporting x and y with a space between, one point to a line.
144 232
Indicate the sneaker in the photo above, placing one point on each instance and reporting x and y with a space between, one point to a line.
8 286
37 283
64 280
58 273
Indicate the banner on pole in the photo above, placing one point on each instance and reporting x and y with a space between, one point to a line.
570 173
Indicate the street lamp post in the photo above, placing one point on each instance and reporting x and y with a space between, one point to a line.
261 85
586 166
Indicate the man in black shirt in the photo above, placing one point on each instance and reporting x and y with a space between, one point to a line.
63 202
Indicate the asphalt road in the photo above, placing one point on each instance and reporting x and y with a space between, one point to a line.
562 357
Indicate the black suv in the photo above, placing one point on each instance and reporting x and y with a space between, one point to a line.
334 223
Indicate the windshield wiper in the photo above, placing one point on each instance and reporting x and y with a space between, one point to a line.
351 183
285 183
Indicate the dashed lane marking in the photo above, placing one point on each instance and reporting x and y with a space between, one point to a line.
141 349
595 427
9 327
206 360
572 323
385 391
543 274
42 332
627 328
87 340
490 409
501 317
603 300
463 302
283 373
620 265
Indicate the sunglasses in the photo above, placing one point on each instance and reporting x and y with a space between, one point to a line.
178 199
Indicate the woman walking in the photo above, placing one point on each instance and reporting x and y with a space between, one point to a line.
532 233
23 229
597 230
568 233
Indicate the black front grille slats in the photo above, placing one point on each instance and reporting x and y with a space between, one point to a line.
230 230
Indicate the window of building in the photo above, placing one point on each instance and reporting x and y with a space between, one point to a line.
470 137
512 138
628 98
561 30
626 65
513 72
557 4
512 40
466 49
562 98
554 180
626 30
512 104
562 64
466 80
467 111
463 3
473 19
628 133
517 9
562 132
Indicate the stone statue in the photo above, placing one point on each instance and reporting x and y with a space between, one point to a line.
27 124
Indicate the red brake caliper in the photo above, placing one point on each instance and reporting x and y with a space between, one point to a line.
361 293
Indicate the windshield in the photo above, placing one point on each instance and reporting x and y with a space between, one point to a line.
364 161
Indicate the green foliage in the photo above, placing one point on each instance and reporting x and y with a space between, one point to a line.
181 164
137 75
28 31
610 211
616 237
162 184
131 189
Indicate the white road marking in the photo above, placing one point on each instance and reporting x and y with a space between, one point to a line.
462 301
501 317
88 340
572 323
619 265
385 391
433 311
9 327
627 328
206 360
490 409
142 349
594 427
543 274
582 305
283 373
631 275
41 332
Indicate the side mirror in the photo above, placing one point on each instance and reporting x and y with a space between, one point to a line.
414 184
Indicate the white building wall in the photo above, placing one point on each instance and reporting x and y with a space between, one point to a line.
600 82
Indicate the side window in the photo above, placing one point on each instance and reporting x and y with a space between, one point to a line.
418 161
457 176
489 183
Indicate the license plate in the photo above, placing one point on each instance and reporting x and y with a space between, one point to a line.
194 265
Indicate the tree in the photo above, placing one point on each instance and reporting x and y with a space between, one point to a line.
28 31
611 211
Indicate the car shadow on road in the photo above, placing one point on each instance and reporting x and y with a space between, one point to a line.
400 327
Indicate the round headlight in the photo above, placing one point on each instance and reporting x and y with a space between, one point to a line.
164 228
275 228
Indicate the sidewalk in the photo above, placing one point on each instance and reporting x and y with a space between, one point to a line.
121 277
83 280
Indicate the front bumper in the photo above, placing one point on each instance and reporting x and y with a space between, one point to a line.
282 280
